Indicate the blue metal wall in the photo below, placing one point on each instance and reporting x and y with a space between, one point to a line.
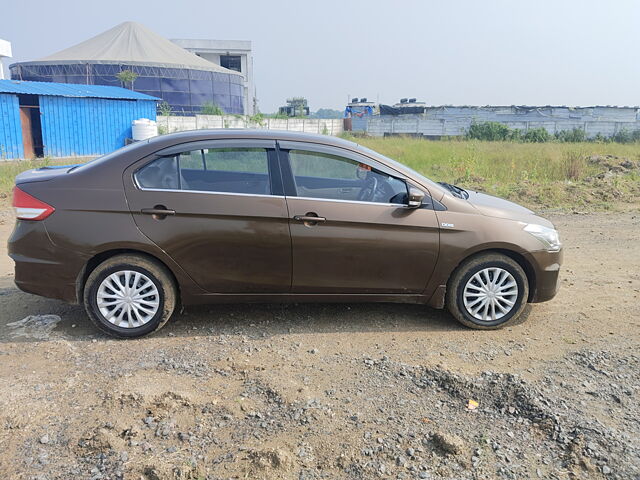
89 126
10 128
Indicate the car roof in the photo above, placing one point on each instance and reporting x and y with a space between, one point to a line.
240 133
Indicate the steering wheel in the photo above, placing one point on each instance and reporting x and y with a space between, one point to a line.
368 192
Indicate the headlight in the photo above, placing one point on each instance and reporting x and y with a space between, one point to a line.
548 236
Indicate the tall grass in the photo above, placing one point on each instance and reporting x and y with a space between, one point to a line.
456 160
10 169
536 174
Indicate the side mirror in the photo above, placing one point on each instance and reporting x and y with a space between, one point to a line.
416 196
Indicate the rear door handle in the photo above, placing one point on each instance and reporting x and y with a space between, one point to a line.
159 212
309 218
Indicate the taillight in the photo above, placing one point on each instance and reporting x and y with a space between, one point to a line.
30 208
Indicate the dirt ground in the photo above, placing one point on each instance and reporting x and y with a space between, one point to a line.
335 391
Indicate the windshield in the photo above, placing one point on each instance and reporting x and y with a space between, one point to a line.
400 166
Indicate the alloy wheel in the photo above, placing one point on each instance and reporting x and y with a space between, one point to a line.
128 299
490 294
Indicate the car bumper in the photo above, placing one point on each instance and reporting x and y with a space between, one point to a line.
42 268
546 270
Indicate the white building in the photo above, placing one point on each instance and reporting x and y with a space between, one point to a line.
5 52
232 54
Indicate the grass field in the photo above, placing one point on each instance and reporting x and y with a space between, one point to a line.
10 169
568 176
540 175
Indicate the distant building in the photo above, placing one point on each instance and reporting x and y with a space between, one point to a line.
357 113
295 107
231 54
180 78
64 120
5 52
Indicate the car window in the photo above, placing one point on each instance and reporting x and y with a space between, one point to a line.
225 170
321 175
236 159
161 173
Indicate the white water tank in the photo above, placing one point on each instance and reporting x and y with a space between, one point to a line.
143 128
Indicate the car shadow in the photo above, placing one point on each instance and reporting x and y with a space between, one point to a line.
254 320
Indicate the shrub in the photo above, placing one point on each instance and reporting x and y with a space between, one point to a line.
164 109
209 108
625 136
490 131
537 135
515 135
257 118
574 135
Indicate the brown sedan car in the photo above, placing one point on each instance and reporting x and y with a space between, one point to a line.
259 216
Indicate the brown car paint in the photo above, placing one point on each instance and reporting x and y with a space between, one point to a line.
248 248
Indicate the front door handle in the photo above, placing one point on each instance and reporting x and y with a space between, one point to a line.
311 218
158 212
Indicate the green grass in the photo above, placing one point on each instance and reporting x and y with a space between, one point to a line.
10 169
544 175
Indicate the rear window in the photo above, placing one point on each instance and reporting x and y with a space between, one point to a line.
224 170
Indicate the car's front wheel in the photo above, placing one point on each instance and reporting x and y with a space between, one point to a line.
487 291
129 296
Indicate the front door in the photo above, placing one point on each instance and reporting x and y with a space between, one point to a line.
215 209
350 228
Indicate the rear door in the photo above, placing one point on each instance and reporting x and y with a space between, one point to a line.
217 208
365 239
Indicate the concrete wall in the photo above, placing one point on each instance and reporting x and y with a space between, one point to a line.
452 121
309 125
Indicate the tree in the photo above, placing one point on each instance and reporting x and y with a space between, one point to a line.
127 77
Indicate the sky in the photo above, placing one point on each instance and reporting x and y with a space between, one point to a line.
454 52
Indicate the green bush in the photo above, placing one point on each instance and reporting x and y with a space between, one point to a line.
625 136
495 131
164 109
209 108
537 135
489 131
574 136
257 118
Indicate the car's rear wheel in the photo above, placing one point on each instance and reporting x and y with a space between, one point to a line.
487 291
129 296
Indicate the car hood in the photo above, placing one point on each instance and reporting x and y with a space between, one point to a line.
499 207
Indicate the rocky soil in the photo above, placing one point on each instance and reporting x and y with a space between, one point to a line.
335 391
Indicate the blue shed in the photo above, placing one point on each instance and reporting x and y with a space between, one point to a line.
64 120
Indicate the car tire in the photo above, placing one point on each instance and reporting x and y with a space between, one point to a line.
129 296
481 293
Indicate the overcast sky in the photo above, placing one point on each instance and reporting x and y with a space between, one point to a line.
562 52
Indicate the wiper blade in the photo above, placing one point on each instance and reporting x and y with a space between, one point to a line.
457 191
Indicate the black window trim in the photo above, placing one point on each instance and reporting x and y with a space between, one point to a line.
290 189
273 165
